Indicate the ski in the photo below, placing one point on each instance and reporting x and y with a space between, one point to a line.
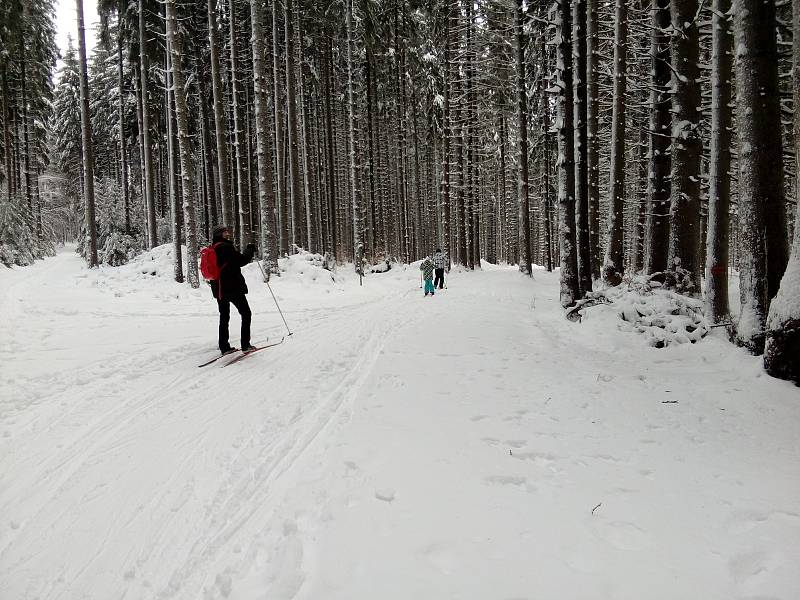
256 349
216 358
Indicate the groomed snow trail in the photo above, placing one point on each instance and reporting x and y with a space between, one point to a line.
395 446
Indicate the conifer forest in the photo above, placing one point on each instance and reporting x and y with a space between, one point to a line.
621 141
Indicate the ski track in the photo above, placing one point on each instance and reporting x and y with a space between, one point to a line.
94 434
240 483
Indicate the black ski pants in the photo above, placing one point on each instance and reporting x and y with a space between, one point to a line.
439 281
240 302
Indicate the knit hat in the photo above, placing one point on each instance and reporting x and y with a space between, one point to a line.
216 233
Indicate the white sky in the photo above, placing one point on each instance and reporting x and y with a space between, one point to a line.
66 21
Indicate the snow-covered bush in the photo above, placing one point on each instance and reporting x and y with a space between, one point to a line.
662 315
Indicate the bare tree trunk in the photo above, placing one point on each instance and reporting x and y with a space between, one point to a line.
546 198
309 206
717 246
522 117
503 186
371 149
472 195
592 141
684 243
220 118
280 148
358 243
761 203
782 350
328 87
185 143
614 262
146 149
570 284
658 184
446 241
86 132
172 183
26 127
239 143
266 197
291 104
7 138
126 209
210 177
579 64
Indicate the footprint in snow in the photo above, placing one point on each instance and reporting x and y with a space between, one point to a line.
505 480
746 520
748 566
622 534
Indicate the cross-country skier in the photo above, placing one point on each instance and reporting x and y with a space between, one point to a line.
231 288
439 262
427 273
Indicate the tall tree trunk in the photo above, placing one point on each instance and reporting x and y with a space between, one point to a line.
503 188
761 203
123 150
146 149
86 145
240 140
471 110
280 148
658 183
447 126
370 149
331 176
26 127
185 143
266 197
310 243
220 117
546 198
140 128
358 243
581 147
717 246
640 209
684 241
522 119
570 284
614 262
210 176
7 149
172 159
297 199
782 350
592 141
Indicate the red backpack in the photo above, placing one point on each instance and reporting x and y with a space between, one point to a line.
208 263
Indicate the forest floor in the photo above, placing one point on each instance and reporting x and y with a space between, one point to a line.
471 445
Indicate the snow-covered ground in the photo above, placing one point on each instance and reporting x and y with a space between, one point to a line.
473 445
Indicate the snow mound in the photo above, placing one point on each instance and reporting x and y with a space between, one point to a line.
158 263
663 316
307 267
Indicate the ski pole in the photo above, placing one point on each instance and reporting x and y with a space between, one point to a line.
269 287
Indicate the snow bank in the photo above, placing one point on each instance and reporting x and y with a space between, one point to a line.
661 315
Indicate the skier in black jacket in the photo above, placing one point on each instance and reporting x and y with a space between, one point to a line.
231 288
